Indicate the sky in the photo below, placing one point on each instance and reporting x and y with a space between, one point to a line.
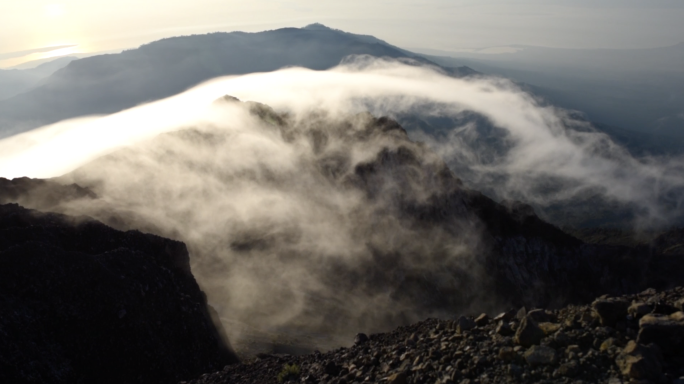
449 25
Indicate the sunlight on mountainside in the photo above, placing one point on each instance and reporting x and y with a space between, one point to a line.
59 52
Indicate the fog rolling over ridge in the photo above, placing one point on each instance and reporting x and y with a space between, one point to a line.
315 213
498 139
635 89
106 84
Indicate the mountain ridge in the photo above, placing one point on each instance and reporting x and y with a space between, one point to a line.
110 83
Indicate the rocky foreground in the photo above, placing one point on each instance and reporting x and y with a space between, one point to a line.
627 339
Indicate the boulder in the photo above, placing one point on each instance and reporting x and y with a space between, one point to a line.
506 316
667 332
638 309
610 310
529 333
482 320
609 343
664 308
464 324
332 369
540 316
360 338
521 314
397 378
540 355
549 328
640 362
504 329
569 369
507 354
680 304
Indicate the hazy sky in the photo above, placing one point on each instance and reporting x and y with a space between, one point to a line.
435 24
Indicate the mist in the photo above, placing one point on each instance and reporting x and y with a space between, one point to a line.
638 90
297 211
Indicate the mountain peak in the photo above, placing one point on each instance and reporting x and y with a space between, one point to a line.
317 27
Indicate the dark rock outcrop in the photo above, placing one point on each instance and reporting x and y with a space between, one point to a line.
83 303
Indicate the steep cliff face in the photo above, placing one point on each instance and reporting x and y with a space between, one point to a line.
83 303
526 261
537 264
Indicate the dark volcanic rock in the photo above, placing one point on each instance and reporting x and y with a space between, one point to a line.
464 324
439 354
638 361
83 303
540 355
610 310
529 333
360 338
665 331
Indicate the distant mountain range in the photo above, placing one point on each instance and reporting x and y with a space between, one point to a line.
16 81
636 96
635 89
110 83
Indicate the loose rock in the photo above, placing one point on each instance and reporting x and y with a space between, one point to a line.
464 324
360 338
610 310
638 310
529 333
665 331
482 320
640 361
540 355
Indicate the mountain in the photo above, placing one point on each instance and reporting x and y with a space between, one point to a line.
316 227
110 83
394 226
16 81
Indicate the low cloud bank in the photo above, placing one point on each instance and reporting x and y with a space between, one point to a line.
297 216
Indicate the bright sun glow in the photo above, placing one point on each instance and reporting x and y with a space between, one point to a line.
60 52
54 10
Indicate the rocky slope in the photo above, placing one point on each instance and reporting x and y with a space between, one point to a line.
634 338
83 303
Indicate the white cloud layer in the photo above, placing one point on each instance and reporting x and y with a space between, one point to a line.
268 233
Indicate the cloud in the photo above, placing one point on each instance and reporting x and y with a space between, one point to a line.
12 55
543 142
303 216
